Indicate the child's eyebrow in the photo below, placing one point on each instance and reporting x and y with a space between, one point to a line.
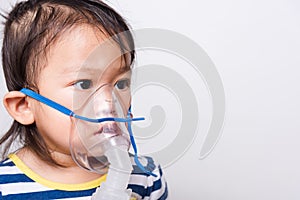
88 69
124 68
81 69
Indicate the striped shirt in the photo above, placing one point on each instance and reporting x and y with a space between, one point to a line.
17 181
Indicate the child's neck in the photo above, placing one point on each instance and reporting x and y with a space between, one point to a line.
71 174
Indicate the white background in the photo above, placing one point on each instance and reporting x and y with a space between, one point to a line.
255 46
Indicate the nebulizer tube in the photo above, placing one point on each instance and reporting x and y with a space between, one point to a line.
115 186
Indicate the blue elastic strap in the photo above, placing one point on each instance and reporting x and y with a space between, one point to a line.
68 112
136 159
47 101
107 119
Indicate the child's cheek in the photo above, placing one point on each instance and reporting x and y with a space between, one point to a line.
55 128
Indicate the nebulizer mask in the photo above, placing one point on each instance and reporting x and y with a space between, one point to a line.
101 137
100 123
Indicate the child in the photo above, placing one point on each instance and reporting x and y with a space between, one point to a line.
45 44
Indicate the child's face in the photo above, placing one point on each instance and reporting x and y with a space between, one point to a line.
75 69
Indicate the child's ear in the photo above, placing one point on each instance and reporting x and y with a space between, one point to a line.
18 106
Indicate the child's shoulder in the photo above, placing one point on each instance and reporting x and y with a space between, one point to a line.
8 171
6 166
6 161
8 174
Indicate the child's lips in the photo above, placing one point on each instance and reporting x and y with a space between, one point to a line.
109 130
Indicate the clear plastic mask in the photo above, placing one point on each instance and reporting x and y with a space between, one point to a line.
90 140
89 144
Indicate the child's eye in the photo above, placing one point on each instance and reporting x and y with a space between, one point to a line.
83 84
123 84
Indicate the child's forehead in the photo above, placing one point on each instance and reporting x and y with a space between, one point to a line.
87 35
84 49
86 43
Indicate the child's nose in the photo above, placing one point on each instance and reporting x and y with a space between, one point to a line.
104 103
107 108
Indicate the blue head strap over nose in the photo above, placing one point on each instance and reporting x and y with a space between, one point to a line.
68 112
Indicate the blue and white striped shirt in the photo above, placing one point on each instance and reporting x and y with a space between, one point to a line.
17 181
